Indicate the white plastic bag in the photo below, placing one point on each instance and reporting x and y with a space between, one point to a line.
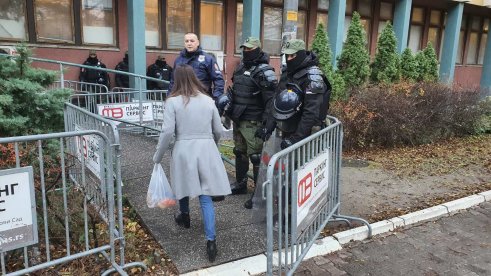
160 193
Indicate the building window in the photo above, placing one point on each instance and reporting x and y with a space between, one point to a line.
54 21
152 23
474 36
302 25
435 30
322 9
238 27
484 39
98 22
272 28
211 32
416 29
13 20
179 22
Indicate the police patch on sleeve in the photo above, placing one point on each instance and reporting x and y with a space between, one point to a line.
201 58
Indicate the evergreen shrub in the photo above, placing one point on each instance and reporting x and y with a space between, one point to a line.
322 48
354 61
385 68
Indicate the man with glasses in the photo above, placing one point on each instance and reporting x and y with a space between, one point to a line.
254 83
159 70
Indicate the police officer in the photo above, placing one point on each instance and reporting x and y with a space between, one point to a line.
254 83
91 75
302 101
159 70
204 65
123 80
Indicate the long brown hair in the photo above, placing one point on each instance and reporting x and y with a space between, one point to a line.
186 83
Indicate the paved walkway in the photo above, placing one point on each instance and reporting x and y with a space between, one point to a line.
237 237
455 245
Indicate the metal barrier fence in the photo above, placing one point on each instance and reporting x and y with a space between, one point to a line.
302 195
65 202
80 87
124 106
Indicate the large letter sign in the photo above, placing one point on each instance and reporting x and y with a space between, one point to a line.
18 225
312 183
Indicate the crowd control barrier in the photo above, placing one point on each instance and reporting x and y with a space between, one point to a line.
302 195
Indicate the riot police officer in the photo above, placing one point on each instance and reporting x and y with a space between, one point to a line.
204 65
159 70
123 80
301 105
254 83
91 75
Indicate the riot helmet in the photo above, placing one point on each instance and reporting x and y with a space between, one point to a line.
287 103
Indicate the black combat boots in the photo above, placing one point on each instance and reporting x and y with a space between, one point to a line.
211 250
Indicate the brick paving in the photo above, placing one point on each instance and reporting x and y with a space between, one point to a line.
456 245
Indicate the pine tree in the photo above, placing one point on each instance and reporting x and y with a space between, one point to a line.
321 47
409 66
431 66
354 61
420 60
385 68
25 105
323 50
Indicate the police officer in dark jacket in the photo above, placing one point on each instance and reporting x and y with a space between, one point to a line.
302 100
204 65
254 83
123 80
159 70
91 75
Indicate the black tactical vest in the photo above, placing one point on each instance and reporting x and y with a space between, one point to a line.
247 98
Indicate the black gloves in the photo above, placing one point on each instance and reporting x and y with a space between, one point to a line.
265 131
286 143
263 134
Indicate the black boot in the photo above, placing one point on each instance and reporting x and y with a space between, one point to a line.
255 159
211 250
217 198
183 220
241 168
239 188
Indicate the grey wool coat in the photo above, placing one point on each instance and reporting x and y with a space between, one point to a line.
196 166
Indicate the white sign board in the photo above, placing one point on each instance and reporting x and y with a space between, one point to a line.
18 223
88 146
127 111
312 182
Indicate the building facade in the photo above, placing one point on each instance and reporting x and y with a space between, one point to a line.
67 29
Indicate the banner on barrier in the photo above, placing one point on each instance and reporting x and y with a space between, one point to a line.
18 222
126 111
312 183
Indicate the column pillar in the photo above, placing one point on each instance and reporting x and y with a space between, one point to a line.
402 17
136 41
451 43
251 19
335 28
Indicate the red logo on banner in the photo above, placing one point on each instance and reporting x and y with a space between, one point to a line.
304 189
113 112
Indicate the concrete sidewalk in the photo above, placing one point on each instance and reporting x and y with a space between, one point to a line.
456 245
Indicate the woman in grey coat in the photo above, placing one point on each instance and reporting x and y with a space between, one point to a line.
196 166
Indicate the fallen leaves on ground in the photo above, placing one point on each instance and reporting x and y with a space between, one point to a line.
434 159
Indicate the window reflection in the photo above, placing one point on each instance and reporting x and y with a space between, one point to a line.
13 19
211 25
54 21
179 22
98 22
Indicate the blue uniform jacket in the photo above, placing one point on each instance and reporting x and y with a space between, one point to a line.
206 69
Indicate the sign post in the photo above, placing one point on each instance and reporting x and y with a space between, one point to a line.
18 223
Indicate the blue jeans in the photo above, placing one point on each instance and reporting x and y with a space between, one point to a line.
208 212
